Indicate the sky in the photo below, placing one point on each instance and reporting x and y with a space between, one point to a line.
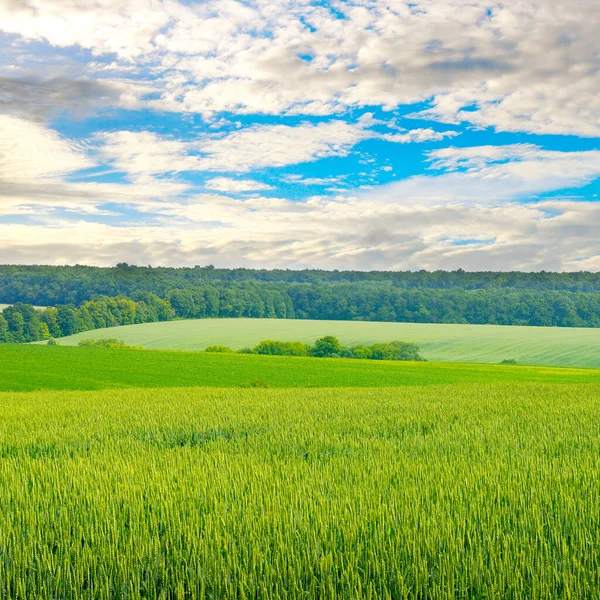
364 134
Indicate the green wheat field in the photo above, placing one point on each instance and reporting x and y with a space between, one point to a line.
553 346
153 474
453 491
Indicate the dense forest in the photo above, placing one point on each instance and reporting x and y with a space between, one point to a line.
85 298
48 286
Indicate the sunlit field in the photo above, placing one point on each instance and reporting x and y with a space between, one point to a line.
29 367
463 491
556 346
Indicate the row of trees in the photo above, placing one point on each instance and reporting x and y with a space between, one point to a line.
330 347
48 286
21 322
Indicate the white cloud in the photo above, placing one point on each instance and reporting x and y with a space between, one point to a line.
516 66
256 147
422 222
281 145
225 184
145 153
418 135
298 179
30 150
553 235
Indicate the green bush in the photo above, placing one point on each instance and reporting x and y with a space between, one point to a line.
281 348
218 349
509 361
363 352
107 343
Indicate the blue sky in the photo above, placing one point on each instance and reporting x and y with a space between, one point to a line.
368 134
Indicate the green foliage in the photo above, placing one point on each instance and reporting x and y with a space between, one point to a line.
330 347
388 351
363 352
23 324
4 337
509 361
486 491
326 347
107 343
28 367
275 348
541 299
218 349
52 342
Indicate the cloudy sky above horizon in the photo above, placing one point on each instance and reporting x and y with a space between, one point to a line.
366 134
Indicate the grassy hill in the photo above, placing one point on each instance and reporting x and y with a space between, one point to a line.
28 367
570 347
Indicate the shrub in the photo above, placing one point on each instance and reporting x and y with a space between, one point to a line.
107 343
281 348
53 342
218 349
361 352
388 351
509 361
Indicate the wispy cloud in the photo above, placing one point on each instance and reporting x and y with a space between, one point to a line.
225 184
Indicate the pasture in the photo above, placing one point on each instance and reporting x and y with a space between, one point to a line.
463 491
31 367
551 346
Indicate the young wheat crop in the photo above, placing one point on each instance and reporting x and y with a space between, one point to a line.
464 491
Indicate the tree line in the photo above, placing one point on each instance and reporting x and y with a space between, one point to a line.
364 301
49 286
330 347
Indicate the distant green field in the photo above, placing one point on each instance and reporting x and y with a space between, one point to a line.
454 492
3 306
29 367
568 347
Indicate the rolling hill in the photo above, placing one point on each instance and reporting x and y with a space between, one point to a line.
572 347
26 367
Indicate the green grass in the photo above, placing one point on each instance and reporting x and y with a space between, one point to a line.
569 347
475 491
28 367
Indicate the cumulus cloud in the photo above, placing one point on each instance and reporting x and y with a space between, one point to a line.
451 218
268 233
514 66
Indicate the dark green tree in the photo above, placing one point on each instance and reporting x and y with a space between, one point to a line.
327 346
